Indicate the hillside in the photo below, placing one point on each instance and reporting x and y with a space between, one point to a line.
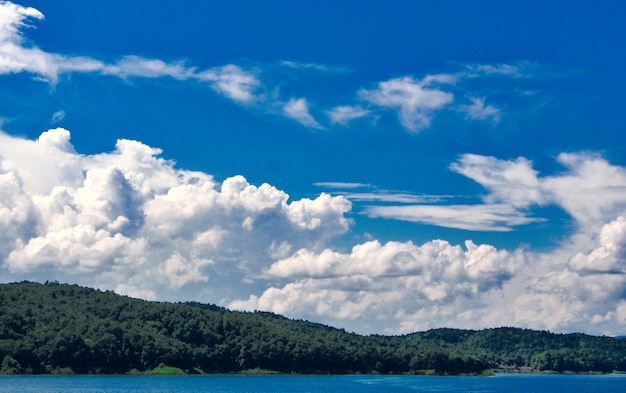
59 328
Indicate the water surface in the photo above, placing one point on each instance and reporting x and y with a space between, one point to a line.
509 383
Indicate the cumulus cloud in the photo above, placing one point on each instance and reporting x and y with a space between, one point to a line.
394 282
402 287
129 219
609 256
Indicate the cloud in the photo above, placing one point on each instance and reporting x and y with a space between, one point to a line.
233 82
345 114
512 182
135 66
57 116
229 80
395 282
313 66
590 189
489 217
402 287
298 109
392 197
476 70
610 255
479 111
341 185
129 219
416 101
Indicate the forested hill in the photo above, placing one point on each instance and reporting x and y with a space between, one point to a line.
51 328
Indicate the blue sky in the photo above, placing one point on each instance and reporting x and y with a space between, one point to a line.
382 167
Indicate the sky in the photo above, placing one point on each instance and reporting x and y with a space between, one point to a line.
381 167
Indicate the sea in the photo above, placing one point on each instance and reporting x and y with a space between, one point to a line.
509 383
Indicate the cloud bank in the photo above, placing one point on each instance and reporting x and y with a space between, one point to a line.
131 221
579 286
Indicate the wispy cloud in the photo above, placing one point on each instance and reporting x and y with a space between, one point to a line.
591 191
334 184
233 82
345 114
313 66
415 100
229 80
57 116
392 197
477 110
491 217
298 109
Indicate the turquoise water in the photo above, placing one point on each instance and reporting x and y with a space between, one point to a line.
344 384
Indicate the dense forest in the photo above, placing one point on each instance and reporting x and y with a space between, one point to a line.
59 328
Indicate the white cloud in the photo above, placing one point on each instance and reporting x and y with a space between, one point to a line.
475 70
610 255
393 283
416 101
479 111
57 116
135 66
298 109
401 287
488 217
233 82
229 80
345 114
129 219
511 182
313 66
334 184
591 191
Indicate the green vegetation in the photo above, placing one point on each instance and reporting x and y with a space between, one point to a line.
163 369
58 328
